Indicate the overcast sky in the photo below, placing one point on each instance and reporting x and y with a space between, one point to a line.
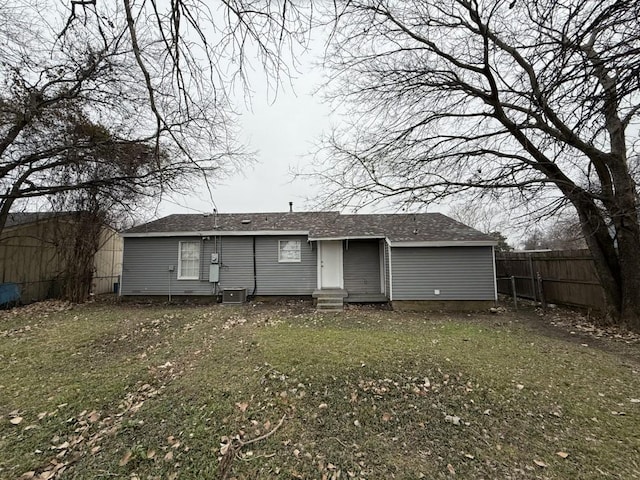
282 131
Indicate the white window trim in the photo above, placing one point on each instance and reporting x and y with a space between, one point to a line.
287 260
184 277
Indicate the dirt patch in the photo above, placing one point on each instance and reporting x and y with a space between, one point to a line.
577 327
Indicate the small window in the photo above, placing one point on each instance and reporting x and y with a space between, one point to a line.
189 261
289 251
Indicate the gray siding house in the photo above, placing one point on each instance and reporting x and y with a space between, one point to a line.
408 259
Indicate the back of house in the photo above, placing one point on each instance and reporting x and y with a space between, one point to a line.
407 259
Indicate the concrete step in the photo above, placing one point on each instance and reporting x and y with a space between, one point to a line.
330 304
330 300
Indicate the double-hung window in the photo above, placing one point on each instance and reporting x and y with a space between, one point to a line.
189 261
289 251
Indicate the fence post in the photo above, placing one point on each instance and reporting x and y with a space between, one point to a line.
513 289
540 288
533 278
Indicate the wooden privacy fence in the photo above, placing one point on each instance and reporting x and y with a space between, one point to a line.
565 277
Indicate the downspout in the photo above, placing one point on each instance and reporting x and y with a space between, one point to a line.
255 270
390 274
495 280
121 274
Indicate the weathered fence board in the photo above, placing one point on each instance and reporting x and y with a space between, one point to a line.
568 277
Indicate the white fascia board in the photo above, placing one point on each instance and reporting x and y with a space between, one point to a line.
360 237
218 233
450 243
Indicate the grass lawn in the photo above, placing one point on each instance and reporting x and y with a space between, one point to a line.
177 392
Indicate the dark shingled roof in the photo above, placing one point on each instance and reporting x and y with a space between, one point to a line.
408 227
235 222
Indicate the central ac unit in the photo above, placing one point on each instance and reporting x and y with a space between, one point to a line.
234 295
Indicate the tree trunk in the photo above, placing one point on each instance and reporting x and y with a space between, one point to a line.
5 208
79 252
629 254
605 259
617 260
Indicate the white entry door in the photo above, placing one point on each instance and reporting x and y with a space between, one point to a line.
330 264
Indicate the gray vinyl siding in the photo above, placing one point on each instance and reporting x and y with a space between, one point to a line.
361 262
460 273
236 262
287 278
145 268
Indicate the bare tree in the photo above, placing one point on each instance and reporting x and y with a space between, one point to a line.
537 98
563 233
485 217
129 95
478 214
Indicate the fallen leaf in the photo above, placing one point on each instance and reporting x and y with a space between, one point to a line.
540 463
16 420
562 454
452 470
519 386
242 406
322 406
386 417
356 423
151 454
95 449
27 475
635 400
469 456
124 460
42 415
169 456
452 419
